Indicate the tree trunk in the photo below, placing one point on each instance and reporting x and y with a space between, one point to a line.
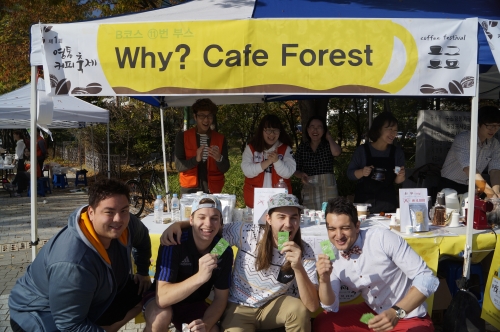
311 107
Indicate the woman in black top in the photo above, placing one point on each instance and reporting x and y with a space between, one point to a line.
315 164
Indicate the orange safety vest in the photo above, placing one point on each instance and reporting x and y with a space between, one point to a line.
256 182
189 178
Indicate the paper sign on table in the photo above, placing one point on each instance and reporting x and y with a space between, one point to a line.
414 209
261 198
220 247
282 238
366 318
326 247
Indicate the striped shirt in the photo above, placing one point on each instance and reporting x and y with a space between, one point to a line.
253 288
488 156
204 141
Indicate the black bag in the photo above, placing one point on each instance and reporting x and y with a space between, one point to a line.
463 313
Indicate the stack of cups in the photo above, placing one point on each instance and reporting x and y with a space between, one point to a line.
362 212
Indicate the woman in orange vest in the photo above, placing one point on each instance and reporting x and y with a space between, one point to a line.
201 153
267 158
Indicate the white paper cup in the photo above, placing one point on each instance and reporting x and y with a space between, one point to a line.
398 214
454 220
361 207
393 221
312 214
409 230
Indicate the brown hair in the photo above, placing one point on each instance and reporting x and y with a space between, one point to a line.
19 134
379 122
204 104
265 248
269 121
106 188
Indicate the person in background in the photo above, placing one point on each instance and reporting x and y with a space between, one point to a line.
393 279
373 166
267 158
41 149
271 288
81 279
455 171
201 155
186 273
20 178
315 164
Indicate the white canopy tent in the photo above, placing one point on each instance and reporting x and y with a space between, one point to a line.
16 105
58 112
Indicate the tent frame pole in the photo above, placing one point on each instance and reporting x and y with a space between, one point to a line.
33 163
162 105
472 177
109 157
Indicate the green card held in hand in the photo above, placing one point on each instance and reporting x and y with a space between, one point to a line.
220 247
326 247
366 317
282 238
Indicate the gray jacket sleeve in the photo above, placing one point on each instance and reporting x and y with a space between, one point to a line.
141 244
181 163
77 288
358 161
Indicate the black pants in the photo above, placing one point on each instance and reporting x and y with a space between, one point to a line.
15 327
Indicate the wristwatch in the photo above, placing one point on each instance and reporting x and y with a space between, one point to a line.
400 313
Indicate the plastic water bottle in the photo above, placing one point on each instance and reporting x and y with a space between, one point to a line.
176 211
281 184
158 210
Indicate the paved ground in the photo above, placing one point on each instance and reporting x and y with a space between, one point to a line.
15 231
15 254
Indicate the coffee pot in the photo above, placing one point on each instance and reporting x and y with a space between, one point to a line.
378 174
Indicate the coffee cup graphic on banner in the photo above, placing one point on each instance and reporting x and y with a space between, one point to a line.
434 64
452 64
436 50
452 50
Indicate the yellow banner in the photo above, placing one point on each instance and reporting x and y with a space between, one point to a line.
491 302
256 56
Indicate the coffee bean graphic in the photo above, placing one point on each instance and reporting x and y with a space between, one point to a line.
79 91
467 82
484 25
427 88
53 81
455 88
63 87
94 88
47 28
440 91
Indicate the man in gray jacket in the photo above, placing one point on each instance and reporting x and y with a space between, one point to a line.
81 279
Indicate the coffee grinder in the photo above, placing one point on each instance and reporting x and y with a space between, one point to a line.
480 209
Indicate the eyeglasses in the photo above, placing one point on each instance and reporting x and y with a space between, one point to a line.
492 126
203 116
272 131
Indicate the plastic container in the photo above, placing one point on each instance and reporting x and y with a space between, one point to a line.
228 203
158 210
176 211
282 184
